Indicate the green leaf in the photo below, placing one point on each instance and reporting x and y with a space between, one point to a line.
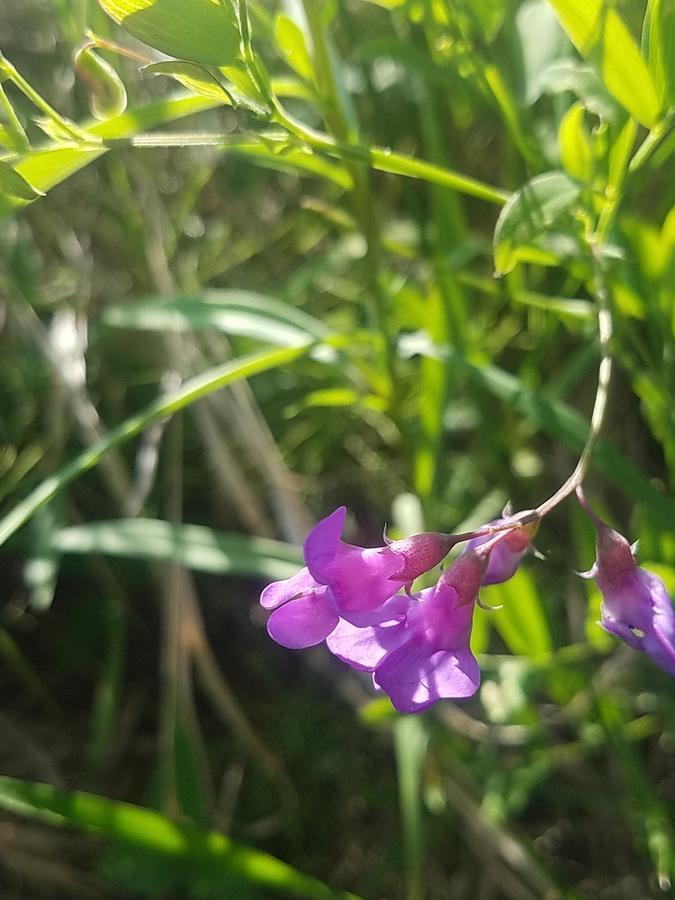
193 546
108 96
230 311
15 185
661 55
291 43
207 852
529 214
574 145
410 742
522 621
203 31
192 390
601 36
50 166
200 79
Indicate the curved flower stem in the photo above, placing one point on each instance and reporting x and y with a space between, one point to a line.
601 395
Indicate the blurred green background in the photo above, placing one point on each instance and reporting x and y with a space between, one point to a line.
390 371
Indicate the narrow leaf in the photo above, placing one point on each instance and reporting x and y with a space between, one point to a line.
193 546
207 852
230 311
191 391
599 33
291 42
14 184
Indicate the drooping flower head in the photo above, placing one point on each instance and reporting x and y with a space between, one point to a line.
419 650
506 552
635 603
343 581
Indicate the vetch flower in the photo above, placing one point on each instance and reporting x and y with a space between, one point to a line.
343 581
635 603
507 552
419 650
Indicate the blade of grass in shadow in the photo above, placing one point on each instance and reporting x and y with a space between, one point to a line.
191 391
209 852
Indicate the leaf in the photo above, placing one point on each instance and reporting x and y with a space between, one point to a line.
574 145
203 31
410 742
541 42
582 80
522 620
601 36
661 54
108 96
230 311
207 852
291 43
200 79
529 214
288 157
48 167
14 184
193 546
192 390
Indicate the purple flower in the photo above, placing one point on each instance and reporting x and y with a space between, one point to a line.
419 650
506 552
342 581
635 603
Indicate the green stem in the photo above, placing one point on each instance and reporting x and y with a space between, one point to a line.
18 133
9 71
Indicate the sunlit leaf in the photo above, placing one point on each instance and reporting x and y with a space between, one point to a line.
204 31
661 53
50 166
529 214
200 79
193 546
291 42
574 145
230 311
601 36
15 185
522 620
207 852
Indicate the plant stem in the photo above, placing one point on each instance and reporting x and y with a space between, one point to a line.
70 128
601 394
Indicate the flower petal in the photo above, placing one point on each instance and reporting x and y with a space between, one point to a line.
322 543
415 680
281 591
303 622
364 648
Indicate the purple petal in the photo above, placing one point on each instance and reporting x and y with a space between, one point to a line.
361 580
303 622
414 679
322 543
281 591
364 648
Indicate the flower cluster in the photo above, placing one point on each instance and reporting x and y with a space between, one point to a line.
417 645
360 602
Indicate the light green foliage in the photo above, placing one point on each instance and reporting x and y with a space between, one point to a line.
526 224
202 31
601 36
281 290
